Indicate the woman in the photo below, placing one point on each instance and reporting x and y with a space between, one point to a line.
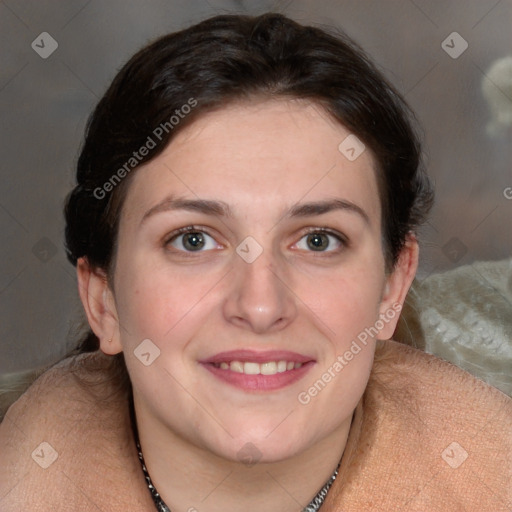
243 231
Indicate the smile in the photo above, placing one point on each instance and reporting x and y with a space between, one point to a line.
258 371
251 368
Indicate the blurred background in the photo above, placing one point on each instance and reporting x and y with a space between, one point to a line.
451 59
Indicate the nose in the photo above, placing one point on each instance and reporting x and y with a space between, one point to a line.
258 298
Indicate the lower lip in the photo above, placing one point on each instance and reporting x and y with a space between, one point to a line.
260 382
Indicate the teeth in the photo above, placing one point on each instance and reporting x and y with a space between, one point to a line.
268 368
236 366
251 368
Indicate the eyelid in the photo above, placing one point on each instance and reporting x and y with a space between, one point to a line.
328 231
341 238
169 238
183 230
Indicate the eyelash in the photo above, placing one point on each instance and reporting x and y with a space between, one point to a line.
342 239
308 231
183 231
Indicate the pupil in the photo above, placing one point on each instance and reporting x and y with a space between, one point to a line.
193 241
318 241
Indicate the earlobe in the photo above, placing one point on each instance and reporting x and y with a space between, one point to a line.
99 306
397 285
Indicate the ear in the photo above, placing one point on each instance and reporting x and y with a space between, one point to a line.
98 301
397 285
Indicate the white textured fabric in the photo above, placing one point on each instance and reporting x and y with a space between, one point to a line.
465 316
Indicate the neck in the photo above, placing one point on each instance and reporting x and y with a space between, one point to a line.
193 479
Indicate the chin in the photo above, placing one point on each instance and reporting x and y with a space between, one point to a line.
265 448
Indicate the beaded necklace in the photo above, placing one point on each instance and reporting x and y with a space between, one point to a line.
160 505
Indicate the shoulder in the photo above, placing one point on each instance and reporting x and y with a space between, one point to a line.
64 447
432 437
436 384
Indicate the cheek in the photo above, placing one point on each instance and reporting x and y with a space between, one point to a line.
347 299
153 299
347 308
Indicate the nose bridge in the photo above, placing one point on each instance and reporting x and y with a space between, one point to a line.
259 299
260 279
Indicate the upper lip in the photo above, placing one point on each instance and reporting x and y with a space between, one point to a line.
255 356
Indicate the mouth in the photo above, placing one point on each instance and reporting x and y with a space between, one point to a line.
251 368
259 371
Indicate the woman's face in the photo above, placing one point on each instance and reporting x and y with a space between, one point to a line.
250 256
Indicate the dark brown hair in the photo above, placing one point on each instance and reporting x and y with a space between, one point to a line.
228 58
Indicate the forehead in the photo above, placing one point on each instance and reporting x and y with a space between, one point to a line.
266 153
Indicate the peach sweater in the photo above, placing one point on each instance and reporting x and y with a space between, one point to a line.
426 436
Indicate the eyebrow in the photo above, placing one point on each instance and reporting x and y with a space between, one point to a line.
222 209
321 207
208 207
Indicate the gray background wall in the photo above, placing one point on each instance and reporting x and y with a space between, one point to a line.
45 103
